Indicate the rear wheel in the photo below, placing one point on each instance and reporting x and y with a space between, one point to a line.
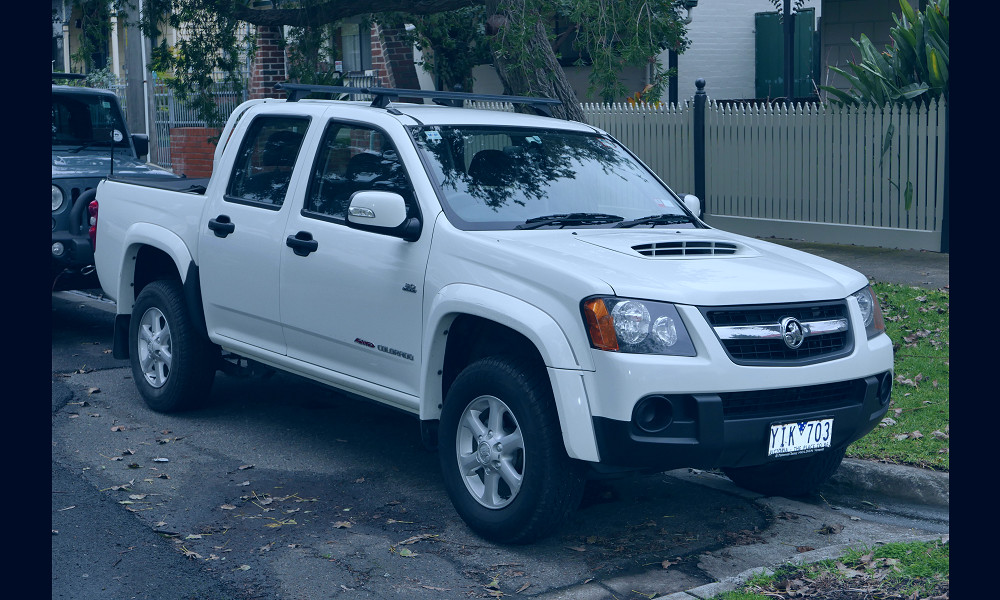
796 477
173 364
502 455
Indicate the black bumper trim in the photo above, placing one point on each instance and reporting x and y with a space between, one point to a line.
719 442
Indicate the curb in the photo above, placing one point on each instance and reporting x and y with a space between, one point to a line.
903 483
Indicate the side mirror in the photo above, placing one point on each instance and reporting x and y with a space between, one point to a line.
382 212
693 204
141 143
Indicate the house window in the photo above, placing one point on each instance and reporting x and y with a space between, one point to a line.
355 47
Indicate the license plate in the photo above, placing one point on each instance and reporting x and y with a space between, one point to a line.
798 438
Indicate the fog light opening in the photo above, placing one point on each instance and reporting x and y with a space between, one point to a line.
885 388
653 414
58 249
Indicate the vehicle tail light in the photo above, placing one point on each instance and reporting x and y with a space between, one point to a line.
92 211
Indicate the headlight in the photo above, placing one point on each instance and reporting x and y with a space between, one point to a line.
57 198
871 312
636 326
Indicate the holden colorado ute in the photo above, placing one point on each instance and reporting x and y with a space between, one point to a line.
538 298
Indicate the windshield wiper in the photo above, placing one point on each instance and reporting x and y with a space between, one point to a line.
89 144
655 220
563 220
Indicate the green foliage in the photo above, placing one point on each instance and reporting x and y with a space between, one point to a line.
311 54
452 42
616 34
913 69
95 26
215 44
893 570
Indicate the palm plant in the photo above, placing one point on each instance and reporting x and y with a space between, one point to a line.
913 68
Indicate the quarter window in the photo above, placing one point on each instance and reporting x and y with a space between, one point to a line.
265 161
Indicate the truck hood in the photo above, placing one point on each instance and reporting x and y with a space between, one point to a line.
703 267
67 166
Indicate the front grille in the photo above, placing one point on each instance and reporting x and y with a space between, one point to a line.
685 248
763 403
774 352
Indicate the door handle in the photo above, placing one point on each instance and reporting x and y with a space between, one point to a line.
221 225
302 243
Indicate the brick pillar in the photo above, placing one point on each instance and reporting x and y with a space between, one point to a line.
268 64
398 56
192 150
378 58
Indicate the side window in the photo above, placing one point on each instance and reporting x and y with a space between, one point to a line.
264 164
353 158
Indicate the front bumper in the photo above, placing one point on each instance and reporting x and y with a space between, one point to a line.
732 429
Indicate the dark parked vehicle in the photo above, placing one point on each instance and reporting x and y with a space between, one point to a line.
89 142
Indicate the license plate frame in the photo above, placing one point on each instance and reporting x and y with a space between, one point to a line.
799 437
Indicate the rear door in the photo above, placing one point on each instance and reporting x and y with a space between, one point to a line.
240 240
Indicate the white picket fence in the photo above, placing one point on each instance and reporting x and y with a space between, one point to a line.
814 172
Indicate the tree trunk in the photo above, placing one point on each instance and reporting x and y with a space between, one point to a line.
524 59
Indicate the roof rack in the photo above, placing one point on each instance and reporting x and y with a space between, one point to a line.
68 75
382 96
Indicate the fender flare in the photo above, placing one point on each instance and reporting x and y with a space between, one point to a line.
154 236
562 363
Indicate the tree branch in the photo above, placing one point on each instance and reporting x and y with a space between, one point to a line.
334 10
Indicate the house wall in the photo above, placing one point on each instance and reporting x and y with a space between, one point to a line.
847 19
722 48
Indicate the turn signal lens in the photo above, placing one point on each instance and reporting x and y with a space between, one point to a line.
600 325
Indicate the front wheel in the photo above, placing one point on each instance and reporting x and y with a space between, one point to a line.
796 477
173 364
502 456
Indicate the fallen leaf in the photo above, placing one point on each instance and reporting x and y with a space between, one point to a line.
408 553
576 548
161 460
118 428
436 589
666 564
93 390
417 538
343 525
830 529
245 467
242 568
803 548
227 507
137 496
522 588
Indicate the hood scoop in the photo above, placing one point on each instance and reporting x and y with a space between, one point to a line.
688 248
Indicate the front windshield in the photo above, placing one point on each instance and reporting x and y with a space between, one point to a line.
506 178
83 121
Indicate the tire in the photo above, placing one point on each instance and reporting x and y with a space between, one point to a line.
173 364
798 477
499 421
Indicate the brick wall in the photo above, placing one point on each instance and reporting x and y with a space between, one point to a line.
268 64
191 150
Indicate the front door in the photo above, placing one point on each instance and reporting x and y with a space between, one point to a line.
351 302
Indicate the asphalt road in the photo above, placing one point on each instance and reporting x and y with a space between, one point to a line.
279 488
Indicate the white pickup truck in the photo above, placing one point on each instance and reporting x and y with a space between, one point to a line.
546 306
